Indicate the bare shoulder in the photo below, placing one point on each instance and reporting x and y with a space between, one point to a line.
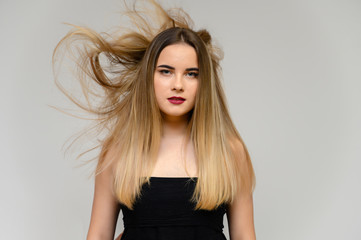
243 164
238 148
108 160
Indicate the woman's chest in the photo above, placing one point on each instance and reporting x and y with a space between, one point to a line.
175 160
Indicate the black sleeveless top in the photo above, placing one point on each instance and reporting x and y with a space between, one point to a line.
164 212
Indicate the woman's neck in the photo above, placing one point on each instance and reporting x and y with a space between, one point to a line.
175 127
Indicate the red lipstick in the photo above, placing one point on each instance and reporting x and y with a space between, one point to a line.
176 100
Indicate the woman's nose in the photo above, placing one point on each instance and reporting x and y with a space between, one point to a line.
178 83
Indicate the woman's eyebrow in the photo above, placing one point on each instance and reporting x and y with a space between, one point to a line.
192 69
172 68
166 66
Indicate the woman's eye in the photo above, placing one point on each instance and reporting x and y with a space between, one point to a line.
164 72
192 74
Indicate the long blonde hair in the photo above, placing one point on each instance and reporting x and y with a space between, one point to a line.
130 112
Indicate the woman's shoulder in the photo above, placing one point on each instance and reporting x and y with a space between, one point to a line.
108 157
236 144
238 148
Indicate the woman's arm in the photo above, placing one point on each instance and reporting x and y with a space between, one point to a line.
105 208
240 212
240 218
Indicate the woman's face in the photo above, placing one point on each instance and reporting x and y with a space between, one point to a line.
176 80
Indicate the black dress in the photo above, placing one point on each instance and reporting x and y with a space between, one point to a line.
164 212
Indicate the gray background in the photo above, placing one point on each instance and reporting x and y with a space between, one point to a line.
292 76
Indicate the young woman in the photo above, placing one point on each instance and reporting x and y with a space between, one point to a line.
172 159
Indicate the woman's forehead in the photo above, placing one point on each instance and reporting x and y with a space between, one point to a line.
179 54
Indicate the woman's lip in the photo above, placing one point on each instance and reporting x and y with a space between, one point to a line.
176 100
